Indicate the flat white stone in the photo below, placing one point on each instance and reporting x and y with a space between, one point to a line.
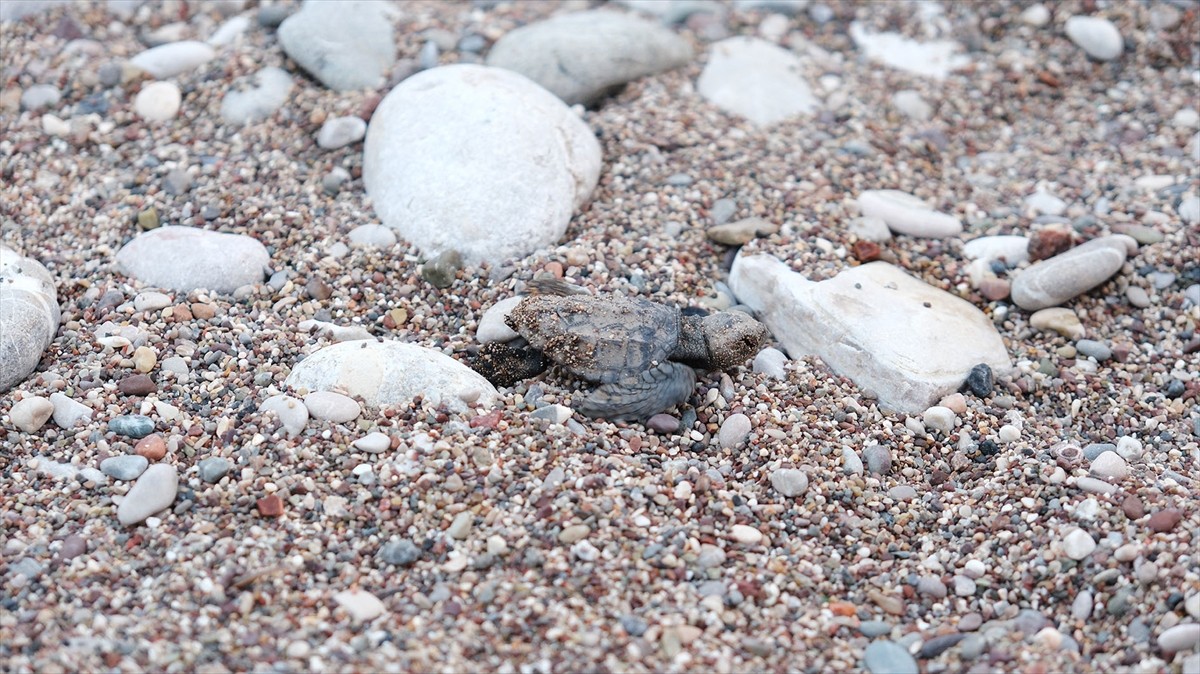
492 327
1110 466
518 161
68 412
30 414
372 236
907 214
229 31
1013 250
936 59
1045 203
373 443
332 406
1078 544
904 340
752 78
746 534
1180 637
870 229
1062 320
340 132
581 56
1058 279
1097 36
292 413
256 97
789 482
362 606
382 373
173 58
29 315
153 492
188 258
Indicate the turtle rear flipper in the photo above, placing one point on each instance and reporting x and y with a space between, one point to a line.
643 395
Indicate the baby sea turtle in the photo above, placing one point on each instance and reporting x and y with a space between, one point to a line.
642 353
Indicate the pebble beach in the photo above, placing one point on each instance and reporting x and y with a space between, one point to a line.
249 251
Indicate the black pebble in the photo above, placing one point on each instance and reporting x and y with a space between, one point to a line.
979 381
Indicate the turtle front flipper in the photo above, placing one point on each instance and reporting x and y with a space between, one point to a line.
506 363
643 395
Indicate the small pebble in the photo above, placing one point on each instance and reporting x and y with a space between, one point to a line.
885 657
30 414
126 467
399 551
746 535
734 431
1110 466
789 482
373 443
878 459
153 447
979 380
939 418
1165 520
158 101
663 423
134 426
331 406
1094 349
341 131
1078 544
213 468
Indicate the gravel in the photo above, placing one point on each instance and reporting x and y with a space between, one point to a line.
594 545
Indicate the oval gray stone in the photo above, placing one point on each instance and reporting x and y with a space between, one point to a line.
153 492
345 45
581 56
752 78
29 315
1056 280
124 467
885 657
186 258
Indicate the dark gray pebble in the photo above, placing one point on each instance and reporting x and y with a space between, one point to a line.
979 380
133 426
400 551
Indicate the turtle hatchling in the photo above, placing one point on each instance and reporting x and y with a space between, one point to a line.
641 353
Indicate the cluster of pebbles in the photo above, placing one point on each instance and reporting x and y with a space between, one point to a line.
192 478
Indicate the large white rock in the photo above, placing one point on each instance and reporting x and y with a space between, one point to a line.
173 58
755 79
892 334
907 214
347 44
1051 282
581 56
29 315
384 373
479 160
186 258
936 59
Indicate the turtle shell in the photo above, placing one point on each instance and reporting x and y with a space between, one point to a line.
601 339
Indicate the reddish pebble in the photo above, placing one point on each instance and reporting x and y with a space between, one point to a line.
1132 507
843 608
203 311
1164 520
181 314
152 447
555 268
136 385
488 420
1047 243
994 289
866 251
270 506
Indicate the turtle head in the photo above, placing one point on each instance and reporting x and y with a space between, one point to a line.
732 337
